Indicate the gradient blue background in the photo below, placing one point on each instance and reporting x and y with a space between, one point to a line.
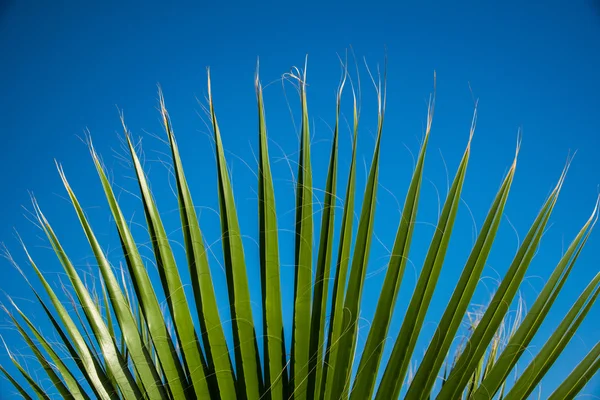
533 65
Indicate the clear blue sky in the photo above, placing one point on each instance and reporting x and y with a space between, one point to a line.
65 66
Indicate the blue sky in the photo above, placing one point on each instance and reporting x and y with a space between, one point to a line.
67 67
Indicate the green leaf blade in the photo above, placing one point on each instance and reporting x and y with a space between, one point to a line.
520 340
115 363
136 349
557 342
244 335
149 305
71 382
395 371
435 355
491 320
323 267
579 377
371 357
217 353
54 377
352 300
275 369
341 270
299 365
193 358
16 384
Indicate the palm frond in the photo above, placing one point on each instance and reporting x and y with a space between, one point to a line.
124 345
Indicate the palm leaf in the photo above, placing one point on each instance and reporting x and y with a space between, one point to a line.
244 336
323 268
532 375
397 367
347 341
125 346
494 315
152 314
579 377
435 355
46 365
299 363
113 358
275 369
336 317
128 325
527 329
371 357
217 354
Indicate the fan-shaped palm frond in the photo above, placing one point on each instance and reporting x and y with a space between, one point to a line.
124 345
